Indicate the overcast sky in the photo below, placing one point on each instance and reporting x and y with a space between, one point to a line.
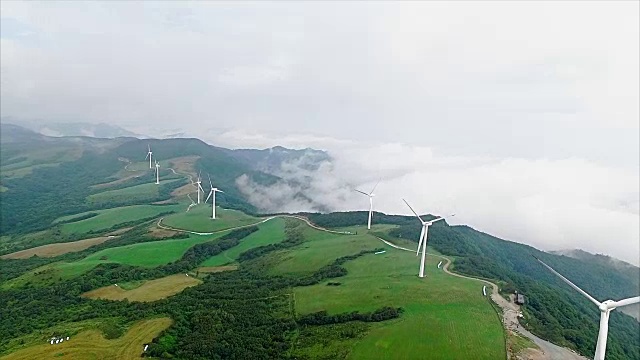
523 116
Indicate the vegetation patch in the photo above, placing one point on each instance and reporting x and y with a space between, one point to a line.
151 290
216 269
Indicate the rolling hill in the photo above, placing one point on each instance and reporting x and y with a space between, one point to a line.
297 291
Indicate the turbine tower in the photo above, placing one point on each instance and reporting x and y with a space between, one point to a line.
212 195
199 188
605 308
149 154
422 243
157 173
370 195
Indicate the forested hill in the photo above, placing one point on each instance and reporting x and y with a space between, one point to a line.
553 311
59 174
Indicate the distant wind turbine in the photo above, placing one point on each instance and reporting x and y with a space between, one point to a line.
212 195
605 308
149 154
423 236
157 173
370 195
199 188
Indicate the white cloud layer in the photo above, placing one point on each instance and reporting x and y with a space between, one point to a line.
549 204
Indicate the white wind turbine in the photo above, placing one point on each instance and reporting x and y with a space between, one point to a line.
605 308
149 154
199 188
423 236
370 195
157 173
212 195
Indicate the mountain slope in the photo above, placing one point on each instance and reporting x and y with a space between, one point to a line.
553 310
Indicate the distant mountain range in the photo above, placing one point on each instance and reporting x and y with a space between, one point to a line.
100 130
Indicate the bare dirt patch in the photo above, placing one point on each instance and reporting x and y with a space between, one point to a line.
52 250
159 233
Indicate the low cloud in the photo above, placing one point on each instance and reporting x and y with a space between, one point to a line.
548 203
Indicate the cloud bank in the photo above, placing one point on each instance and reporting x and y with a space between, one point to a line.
549 204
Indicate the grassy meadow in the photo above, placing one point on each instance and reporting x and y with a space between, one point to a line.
198 219
91 344
443 315
151 290
270 232
109 218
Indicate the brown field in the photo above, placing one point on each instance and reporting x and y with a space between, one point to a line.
215 269
149 291
52 250
127 176
91 344
159 233
183 190
185 164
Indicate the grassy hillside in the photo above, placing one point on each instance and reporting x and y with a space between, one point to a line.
92 344
271 232
482 255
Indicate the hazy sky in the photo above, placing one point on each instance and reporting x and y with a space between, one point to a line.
523 116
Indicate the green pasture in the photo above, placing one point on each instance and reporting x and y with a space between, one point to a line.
112 217
270 232
140 192
199 219
148 254
444 316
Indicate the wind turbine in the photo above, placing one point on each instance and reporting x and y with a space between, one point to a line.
423 236
605 308
149 154
212 195
370 195
199 187
157 173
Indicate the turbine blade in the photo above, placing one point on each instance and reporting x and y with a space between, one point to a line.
625 302
574 286
374 188
220 191
210 184
361 192
146 157
414 212
201 188
210 192
437 219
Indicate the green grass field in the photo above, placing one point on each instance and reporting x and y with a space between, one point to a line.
199 219
140 192
147 254
112 217
270 232
319 249
445 317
